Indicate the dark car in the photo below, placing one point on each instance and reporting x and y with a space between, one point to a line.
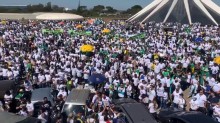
38 96
133 112
179 116
6 85
13 118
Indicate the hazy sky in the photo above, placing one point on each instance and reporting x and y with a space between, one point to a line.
118 4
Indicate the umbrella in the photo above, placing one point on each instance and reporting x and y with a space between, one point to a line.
61 23
217 60
79 26
86 48
199 39
97 78
105 31
90 21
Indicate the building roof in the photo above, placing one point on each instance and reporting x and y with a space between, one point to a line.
182 11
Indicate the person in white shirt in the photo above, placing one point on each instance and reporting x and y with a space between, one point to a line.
86 75
202 99
194 104
129 90
164 100
160 92
153 108
121 91
30 108
215 70
151 93
48 79
79 75
43 116
176 96
23 112
10 74
216 112
4 73
181 102
62 92
41 80
105 100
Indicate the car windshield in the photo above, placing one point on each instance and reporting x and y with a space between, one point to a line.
75 109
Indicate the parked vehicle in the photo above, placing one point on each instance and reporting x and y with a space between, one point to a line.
38 96
133 112
13 118
178 116
76 102
6 85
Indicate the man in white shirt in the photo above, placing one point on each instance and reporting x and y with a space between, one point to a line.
48 79
176 96
30 108
215 70
86 75
4 73
41 80
194 104
216 112
62 92
202 99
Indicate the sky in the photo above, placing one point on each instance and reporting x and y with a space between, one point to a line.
72 4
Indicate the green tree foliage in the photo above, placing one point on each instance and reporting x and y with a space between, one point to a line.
134 9
98 8
110 9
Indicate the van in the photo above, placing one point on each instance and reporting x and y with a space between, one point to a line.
76 102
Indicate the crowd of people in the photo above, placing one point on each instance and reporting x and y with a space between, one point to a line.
154 69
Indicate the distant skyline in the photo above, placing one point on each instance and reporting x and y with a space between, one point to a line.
73 4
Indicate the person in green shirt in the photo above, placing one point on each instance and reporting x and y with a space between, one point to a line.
192 66
69 84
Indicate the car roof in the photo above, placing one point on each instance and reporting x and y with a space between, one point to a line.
4 86
13 118
138 113
191 117
78 96
40 93
123 100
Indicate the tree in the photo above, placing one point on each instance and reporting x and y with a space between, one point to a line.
48 7
134 9
110 9
98 8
